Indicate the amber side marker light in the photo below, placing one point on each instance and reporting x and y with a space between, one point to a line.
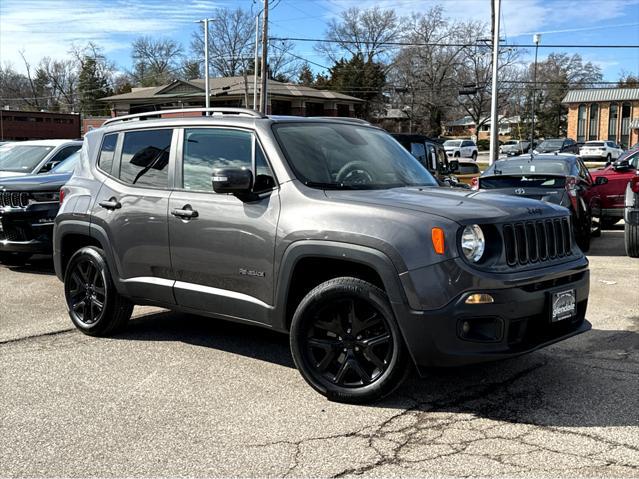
479 298
437 235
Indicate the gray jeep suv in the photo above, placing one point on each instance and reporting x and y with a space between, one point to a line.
327 229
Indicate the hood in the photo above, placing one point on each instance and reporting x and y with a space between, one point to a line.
46 182
458 205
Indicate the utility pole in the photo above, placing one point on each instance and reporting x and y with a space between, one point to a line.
264 68
536 40
207 99
494 117
255 68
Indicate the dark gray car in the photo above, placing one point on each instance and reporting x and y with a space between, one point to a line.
324 228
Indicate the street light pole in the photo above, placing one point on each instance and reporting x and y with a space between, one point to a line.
257 46
536 40
264 69
494 117
207 99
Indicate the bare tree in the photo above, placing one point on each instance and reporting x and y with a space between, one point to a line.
155 60
230 41
283 64
363 32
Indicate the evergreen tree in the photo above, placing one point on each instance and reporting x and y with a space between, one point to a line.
306 76
93 83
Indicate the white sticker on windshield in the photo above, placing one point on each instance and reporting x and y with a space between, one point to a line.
532 168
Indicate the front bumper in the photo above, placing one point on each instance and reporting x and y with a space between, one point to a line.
27 230
516 323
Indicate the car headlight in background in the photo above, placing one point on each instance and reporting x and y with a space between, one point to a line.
473 243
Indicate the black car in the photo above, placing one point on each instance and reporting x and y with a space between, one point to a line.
557 145
560 179
28 206
430 153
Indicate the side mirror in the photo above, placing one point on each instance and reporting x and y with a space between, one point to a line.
453 166
236 181
601 180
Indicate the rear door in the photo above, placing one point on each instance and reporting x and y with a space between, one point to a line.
223 253
131 209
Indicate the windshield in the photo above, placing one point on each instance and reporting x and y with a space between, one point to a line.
339 156
551 144
528 167
67 165
511 142
453 143
22 158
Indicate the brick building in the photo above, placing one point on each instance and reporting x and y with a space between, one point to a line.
604 114
283 98
38 125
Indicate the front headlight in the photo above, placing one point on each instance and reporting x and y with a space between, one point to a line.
473 243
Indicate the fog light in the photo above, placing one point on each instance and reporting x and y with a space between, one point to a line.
479 298
465 327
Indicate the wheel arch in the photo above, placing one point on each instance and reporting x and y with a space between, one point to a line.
326 260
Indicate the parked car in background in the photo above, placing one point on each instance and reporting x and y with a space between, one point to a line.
557 145
432 155
613 192
35 157
28 206
631 217
560 179
466 171
461 149
514 147
326 229
600 151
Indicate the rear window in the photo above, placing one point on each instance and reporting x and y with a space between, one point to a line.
528 167
468 169
594 143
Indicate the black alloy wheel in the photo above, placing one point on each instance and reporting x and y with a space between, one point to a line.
87 291
346 343
349 343
95 306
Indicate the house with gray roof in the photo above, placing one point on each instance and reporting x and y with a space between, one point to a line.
282 98
604 114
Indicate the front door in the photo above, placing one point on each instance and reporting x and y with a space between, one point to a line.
131 210
222 251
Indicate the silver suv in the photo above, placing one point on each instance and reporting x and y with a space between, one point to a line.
324 228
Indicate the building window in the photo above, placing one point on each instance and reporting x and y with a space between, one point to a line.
581 123
625 125
593 130
314 109
612 122
343 110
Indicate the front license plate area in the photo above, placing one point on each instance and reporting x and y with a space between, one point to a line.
563 305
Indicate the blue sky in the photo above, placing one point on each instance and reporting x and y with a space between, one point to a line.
49 27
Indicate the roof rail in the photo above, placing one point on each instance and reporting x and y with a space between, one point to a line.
348 119
214 111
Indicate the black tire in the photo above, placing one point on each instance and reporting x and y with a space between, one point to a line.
631 240
14 259
583 231
608 158
350 323
608 223
474 156
95 307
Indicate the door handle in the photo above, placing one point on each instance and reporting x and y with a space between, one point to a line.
111 204
187 212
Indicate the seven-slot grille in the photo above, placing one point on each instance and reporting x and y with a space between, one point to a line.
533 241
14 199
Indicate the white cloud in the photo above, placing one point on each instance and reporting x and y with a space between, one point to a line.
49 28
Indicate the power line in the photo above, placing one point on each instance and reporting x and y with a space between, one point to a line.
438 44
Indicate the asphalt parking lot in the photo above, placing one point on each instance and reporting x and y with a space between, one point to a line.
179 395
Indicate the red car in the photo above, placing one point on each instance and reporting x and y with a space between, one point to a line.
613 192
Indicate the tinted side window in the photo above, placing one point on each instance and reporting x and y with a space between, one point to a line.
105 159
64 153
418 151
208 149
145 158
